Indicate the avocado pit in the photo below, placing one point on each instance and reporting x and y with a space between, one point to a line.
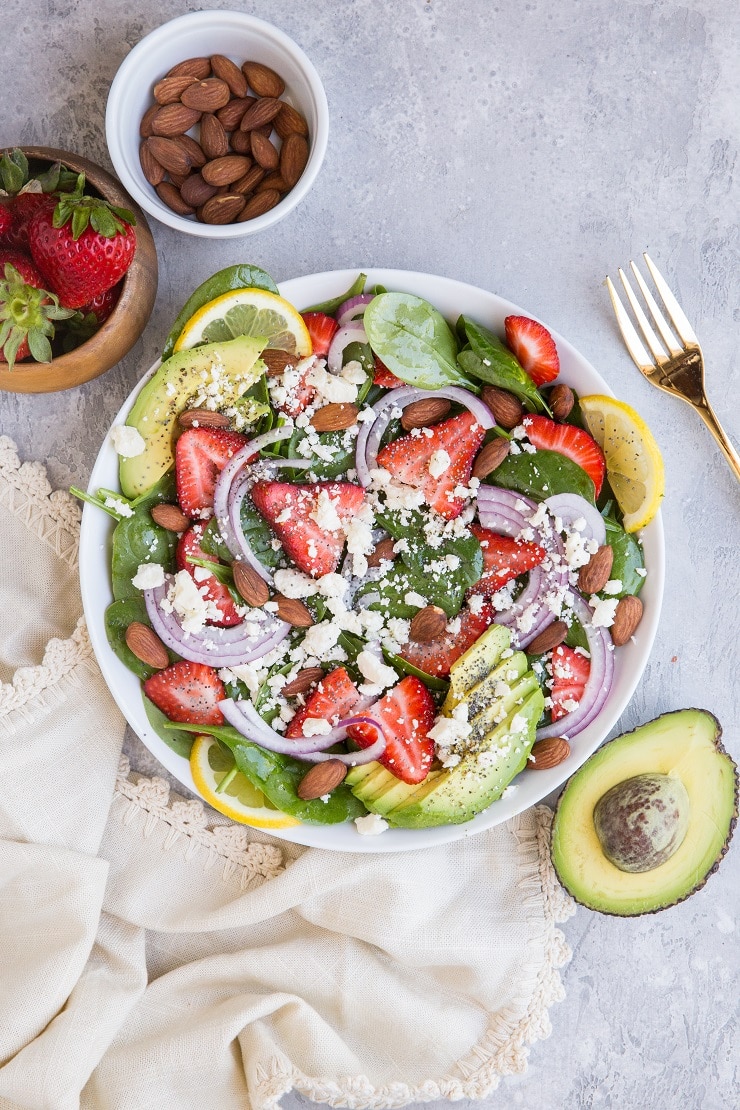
642 821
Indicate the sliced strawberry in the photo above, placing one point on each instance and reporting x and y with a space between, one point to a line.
209 588
533 347
570 671
575 443
406 713
332 700
187 692
409 459
383 376
504 559
437 657
322 329
200 456
312 546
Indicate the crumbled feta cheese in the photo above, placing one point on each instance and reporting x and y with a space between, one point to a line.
476 603
330 388
294 583
118 506
189 604
325 514
603 611
371 825
200 574
613 586
375 671
332 585
126 441
452 562
352 372
439 463
148 576
641 571
413 598
316 726
320 638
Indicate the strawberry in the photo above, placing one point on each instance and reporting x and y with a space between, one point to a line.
85 245
322 329
409 458
406 713
101 306
437 657
570 671
533 347
187 692
313 547
27 269
384 377
332 700
200 456
575 443
22 209
210 588
88 319
6 220
503 559
27 311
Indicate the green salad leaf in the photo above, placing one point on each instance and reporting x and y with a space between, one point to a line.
241 276
256 530
487 359
177 737
414 341
118 616
541 475
330 307
138 539
628 558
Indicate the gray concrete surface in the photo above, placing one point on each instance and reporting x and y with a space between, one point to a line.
529 148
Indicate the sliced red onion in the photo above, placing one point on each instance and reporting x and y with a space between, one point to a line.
351 333
353 309
243 716
570 507
599 682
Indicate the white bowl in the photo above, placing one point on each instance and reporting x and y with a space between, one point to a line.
451 298
200 34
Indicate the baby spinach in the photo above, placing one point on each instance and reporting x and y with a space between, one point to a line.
576 636
489 360
628 559
413 340
331 306
241 276
177 737
342 458
439 684
137 539
118 616
542 474
257 533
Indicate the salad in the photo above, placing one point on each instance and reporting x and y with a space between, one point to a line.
369 565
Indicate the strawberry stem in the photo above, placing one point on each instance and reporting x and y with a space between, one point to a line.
85 211
27 313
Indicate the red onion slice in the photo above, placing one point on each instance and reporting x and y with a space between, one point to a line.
353 309
351 333
243 716
570 506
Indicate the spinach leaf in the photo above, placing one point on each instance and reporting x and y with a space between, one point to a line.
331 306
576 636
439 684
176 737
362 353
212 544
489 360
543 474
401 580
233 277
137 539
413 340
342 459
118 616
628 558
256 530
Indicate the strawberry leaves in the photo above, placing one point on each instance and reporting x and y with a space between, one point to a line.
84 211
27 317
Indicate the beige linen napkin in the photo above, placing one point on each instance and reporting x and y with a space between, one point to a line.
153 954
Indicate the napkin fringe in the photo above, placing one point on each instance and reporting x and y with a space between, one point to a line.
35 690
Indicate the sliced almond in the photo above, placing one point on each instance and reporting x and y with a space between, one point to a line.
335 417
146 645
259 204
490 456
169 154
561 401
507 410
264 81
153 172
627 616
383 550
292 610
228 71
199 68
174 119
265 154
213 137
170 517
203 418
423 413
321 779
222 209
549 753
170 195
289 121
170 89
303 681
250 585
277 362
194 190
553 635
428 625
595 574
206 96
293 158
261 112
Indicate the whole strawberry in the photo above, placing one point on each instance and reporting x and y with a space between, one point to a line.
22 195
84 246
6 220
27 311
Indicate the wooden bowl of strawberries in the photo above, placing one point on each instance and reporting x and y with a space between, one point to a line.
78 270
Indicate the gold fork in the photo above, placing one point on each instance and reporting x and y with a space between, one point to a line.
679 370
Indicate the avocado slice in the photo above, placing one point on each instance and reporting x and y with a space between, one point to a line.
232 366
615 784
473 666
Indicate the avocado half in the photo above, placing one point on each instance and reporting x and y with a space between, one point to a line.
683 750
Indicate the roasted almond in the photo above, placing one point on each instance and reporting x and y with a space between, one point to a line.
193 149
383 550
146 645
303 681
272 181
561 401
170 89
230 116
277 362
264 81
548 753
595 574
489 457
553 635
169 194
222 209
250 585
174 119
507 410
199 68
261 112
179 179
153 172
259 204
170 517
293 158
194 190
226 70
627 616
203 418
289 121
206 96
321 779
213 138
335 417
240 142
169 154
223 171
265 154
292 610
422 413
428 625
145 127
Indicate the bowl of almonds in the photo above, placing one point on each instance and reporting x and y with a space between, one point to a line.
217 124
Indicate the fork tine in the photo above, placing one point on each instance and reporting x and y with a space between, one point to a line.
660 320
676 313
652 340
638 354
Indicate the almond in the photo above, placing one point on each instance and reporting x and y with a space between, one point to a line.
261 112
289 121
265 154
264 81
179 179
561 401
169 154
223 171
193 150
277 362
553 635
383 550
145 127
153 172
595 575
146 645
203 418
428 625
196 191
170 89
549 753
240 142
335 417
293 158
259 204
627 616
507 409
321 779
489 457
169 194
303 681
199 68
250 585
206 96
251 179
292 610
222 210
272 181
226 70
422 413
230 116
213 138
174 119
170 517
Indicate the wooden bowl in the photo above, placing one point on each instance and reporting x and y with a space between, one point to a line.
119 332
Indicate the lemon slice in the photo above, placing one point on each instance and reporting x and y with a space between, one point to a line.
240 800
251 312
634 464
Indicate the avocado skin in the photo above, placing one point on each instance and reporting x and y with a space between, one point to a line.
719 749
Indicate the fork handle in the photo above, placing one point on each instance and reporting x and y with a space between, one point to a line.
707 414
